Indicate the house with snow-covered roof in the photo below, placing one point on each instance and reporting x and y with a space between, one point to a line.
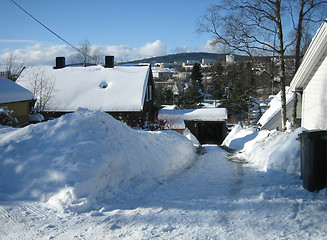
125 92
208 125
17 99
310 81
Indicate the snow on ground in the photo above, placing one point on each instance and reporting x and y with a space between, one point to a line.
267 150
74 161
212 196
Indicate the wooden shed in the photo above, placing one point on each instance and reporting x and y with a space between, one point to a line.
208 125
17 99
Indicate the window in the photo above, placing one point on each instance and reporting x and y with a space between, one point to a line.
150 92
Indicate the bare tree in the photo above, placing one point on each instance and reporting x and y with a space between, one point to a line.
84 52
42 88
254 27
304 14
87 56
97 56
12 67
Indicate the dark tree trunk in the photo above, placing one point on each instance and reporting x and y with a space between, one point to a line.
282 63
297 58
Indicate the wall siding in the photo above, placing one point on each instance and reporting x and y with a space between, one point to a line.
314 107
20 111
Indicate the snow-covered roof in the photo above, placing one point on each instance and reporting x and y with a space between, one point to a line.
12 92
275 106
255 101
170 107
206 114
118 89
175 118
312 59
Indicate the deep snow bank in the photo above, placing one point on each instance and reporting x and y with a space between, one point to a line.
268 150
85 157
238 137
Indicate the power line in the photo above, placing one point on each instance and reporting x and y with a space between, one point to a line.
45 26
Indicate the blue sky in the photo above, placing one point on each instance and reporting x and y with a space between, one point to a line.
127 28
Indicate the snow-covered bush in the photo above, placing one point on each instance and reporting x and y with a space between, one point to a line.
6 118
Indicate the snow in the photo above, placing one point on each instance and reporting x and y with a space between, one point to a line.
36 117
88 154
238 137
174 118
275 106
12 92
88 176
170 107
121 88
267 150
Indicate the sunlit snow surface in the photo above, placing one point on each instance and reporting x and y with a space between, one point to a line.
156 187
117 89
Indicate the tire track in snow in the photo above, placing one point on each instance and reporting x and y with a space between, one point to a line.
5 215
30 220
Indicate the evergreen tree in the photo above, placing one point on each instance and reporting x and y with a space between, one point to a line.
193 94
236 96
164 96
197 75
217 86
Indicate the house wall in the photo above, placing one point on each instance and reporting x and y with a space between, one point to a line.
132 119
314 104
20 111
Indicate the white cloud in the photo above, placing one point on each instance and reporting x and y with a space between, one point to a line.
181 49
41 55
38 54
156 48
125 52
16 41
209 47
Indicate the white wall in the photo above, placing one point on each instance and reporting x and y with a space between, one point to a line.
314 104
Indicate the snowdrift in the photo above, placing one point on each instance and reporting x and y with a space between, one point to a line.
83 158
267 150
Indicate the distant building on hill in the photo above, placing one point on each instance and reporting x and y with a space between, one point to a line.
230 59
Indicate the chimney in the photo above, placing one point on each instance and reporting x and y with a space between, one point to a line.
109 62
60 62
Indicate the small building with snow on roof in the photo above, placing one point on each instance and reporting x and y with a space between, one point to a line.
126 92
208 125
17 99
311 81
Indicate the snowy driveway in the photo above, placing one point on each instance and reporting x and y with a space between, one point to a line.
215 198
